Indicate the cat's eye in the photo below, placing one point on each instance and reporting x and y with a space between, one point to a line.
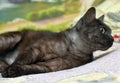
102 30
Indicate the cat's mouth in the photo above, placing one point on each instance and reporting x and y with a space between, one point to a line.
106 46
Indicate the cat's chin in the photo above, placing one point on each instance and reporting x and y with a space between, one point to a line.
107 47
104 47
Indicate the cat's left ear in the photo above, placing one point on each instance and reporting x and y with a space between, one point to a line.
101 18
89 15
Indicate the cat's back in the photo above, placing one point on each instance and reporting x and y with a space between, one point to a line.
37 34
31 36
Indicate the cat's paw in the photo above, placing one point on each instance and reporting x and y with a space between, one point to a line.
3 66
12 71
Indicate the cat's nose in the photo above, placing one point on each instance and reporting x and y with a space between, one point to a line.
111 39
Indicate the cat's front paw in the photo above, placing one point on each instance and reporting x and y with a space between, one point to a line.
12 71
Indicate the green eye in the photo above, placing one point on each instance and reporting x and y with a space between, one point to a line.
102 30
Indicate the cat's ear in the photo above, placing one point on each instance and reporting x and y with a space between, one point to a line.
101 18
89 15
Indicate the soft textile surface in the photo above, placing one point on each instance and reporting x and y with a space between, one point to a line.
93 78
108 64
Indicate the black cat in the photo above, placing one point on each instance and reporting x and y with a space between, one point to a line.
44 51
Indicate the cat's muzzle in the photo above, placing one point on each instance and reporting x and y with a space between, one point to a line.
108 44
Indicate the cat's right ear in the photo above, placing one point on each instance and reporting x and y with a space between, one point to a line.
101 18
89 15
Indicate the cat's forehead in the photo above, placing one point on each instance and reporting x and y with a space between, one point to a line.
96 24
100 23
103 25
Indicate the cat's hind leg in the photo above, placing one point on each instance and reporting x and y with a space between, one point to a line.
39 67
22 62
9 40
19 70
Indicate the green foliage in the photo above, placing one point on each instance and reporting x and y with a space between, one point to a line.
19 1
71 6
54 28
30 27
54 12
43 15
58 1
1 24
57 28
39 10
32 16
21 10
48 13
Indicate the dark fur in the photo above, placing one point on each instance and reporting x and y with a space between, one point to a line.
44 51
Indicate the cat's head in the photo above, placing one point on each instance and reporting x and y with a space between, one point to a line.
93 31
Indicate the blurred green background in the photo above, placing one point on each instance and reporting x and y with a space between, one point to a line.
54 15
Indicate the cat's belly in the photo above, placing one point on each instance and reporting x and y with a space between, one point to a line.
10 57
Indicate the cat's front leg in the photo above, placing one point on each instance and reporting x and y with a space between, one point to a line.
9 40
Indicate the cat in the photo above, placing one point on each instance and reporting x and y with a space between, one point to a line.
45 51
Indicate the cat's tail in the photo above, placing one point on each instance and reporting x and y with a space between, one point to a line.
9 40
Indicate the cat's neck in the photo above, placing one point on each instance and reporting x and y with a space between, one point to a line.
76 42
